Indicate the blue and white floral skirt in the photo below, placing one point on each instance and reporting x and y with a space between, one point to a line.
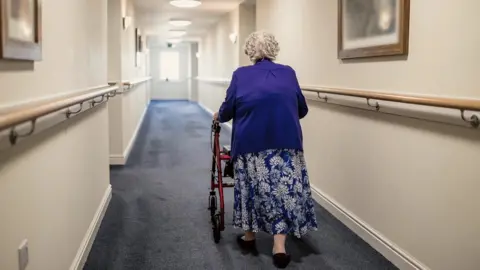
272 193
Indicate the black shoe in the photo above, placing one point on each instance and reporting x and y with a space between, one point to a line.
247 245
281 260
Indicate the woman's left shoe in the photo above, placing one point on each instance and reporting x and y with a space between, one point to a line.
249 246
281 260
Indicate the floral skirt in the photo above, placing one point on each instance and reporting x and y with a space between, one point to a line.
272 193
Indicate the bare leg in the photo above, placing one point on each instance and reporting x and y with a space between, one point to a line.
279 243
249 236
280 257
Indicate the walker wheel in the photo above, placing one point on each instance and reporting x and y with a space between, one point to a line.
212 206
216 228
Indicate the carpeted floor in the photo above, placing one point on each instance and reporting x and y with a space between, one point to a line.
158 217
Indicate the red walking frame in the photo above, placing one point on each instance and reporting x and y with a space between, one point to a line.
221 157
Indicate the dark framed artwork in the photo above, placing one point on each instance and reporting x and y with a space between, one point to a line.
136 47
136 39
371 28
140 43
21 30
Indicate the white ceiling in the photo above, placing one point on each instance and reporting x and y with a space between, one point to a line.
154 15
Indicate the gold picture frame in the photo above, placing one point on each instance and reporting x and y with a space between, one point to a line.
21 30
372 28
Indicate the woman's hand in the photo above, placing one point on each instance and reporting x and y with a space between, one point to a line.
215 116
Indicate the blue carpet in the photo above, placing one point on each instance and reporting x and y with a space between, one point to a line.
158 218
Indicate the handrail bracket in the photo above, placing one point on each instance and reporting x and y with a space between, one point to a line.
70 113
14 134
376 106
95 102
325 98
111 94
474 121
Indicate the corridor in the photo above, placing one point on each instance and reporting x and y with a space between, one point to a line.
360 115
158 218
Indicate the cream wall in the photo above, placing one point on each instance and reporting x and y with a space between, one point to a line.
413 182
130 70
134 108
218 53
114 41
126 111
219 57
214 46
115 15
246 25
194 65
52 184
128 42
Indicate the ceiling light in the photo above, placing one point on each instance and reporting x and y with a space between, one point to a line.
177 33
185 3
180 22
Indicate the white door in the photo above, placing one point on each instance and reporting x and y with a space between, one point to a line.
170 78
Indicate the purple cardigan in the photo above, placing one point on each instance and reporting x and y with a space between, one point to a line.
266 104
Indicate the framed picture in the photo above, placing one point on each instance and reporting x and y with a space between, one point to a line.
137 45
140 43
369 28
136 39
21 30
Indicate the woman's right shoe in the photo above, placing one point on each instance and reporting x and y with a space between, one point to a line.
281 260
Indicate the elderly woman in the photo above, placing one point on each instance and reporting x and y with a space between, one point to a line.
272 191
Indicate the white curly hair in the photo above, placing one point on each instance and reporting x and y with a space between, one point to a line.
260 45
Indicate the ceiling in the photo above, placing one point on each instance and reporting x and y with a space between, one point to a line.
153 16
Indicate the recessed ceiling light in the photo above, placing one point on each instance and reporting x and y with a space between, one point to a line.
180 22
177 33
185 3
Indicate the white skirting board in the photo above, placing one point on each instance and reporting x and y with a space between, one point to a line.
84 250
204 108
122 159
393 253
117 160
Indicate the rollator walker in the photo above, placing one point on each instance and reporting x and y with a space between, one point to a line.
221 159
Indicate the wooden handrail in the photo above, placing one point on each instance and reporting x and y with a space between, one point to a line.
461 104
31 112
137 81
115 83
127 85
452 103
